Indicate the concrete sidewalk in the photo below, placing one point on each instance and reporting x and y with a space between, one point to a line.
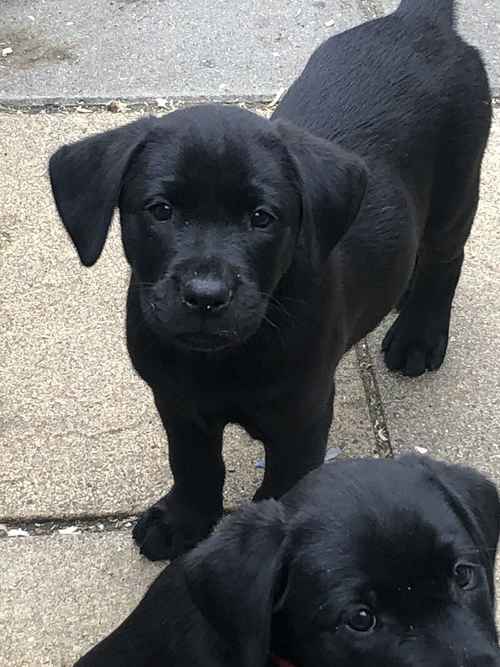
151 48
81 447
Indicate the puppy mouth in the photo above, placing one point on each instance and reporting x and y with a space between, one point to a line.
200 341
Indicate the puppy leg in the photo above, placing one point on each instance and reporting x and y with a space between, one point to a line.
404 299
418 339
292 452
187 513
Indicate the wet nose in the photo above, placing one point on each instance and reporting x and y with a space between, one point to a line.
207 294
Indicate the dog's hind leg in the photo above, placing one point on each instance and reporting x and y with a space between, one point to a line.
418 339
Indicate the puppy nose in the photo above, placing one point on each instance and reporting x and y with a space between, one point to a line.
206 294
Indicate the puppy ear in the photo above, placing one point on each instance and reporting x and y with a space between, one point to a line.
332 182
234 576
474 499
86 180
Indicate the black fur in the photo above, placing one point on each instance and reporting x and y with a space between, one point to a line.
283 577
372 159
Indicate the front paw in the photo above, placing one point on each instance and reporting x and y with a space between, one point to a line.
414 347
167 529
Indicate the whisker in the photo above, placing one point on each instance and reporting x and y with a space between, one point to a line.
274 302
269 321
464 552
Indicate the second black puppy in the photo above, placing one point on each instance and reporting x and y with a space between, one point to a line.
399 575
261 251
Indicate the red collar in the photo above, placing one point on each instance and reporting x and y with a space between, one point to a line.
280 662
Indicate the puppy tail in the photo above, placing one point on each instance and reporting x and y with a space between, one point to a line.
440 11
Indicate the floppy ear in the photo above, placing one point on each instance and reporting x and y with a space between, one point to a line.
234 579
332 181
86 180
475 500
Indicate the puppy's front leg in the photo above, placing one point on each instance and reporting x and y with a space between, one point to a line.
186 514
292 451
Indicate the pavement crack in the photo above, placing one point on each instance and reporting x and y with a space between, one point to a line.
124 105
71 526
10 528
375 405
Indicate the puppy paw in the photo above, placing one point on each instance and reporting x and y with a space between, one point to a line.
166 530
413 348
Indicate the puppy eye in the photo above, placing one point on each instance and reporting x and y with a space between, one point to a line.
261 219
361 620
465 575
161 212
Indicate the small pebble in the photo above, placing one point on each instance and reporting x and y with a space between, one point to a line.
332 453
115 106
70 530
17 532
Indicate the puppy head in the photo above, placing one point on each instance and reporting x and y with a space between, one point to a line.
376 563
392 565
364 563
216 204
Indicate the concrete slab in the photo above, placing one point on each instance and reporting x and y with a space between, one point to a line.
455 413
61 594
79 433
64 48
151 48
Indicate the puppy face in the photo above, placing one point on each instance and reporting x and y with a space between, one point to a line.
400 575
385 564
210 218
216 205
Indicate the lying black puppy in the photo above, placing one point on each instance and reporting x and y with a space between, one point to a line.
376 563
261 251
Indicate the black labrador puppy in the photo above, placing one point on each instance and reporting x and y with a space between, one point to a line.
261 250
400 574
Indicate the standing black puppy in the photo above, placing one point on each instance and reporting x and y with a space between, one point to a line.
261 251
